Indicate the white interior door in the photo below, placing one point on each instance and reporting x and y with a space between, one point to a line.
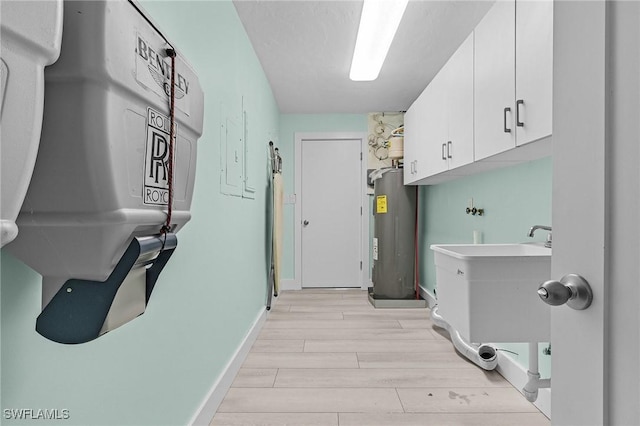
331 213
596 231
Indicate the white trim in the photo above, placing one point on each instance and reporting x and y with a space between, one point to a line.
365 279
216 394
365 282
516 374
290 285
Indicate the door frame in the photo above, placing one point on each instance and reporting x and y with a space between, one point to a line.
300 138
595 366
579 243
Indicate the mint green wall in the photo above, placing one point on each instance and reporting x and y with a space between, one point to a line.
290 124
514 199
157 369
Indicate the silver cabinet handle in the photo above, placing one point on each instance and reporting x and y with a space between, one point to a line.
572 289
518 122
444 157
449 146
415 166
506 129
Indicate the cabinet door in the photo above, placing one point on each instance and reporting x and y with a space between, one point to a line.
433 159
494 77
414 129
534 69
459 73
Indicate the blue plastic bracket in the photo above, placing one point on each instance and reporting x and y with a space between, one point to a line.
78 310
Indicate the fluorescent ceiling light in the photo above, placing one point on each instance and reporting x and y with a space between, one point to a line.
378 25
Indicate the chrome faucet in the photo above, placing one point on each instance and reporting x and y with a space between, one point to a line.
547 243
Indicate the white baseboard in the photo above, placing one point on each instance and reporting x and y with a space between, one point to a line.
216 394
290 285
365 286
517 376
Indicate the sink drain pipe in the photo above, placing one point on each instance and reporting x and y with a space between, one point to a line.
530 390
484 356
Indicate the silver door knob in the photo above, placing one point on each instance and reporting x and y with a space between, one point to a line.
305 223
572 289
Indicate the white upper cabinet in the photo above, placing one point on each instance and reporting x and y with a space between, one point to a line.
493 95
513 76
534 70
425 132
439 124
414 131
495 80
431 161
459 72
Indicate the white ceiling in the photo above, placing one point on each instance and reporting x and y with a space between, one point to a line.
305 48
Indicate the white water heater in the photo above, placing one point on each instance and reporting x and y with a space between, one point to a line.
30 37
92 217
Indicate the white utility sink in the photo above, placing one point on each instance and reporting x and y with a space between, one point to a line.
487 292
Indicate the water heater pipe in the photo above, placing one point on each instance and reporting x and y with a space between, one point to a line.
484 356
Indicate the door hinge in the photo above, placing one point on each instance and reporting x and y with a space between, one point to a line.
361 265
360 210
360 156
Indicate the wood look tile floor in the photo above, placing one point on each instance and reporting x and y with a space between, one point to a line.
327 357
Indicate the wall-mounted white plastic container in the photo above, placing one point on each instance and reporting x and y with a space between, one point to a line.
101 174
30 35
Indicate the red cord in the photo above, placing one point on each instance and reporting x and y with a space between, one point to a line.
417 263
167 226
